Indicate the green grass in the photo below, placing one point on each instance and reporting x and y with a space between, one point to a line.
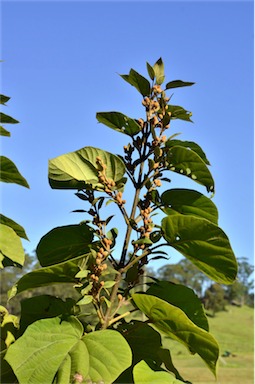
234 332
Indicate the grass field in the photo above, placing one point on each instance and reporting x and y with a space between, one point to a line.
234 331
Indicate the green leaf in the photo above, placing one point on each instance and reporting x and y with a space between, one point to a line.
189 202
109 355
64 243
138 81
109 284
143 374
173 322
178 112
4 99
203 243
4 132
15 226
158 68
150 70
177 84
87 299
9 172
119 122
11 250
61 273
186 162
79 169
36 356
183 298
5 119
41 307
190 145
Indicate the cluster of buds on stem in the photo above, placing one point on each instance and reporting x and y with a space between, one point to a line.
100 266
119 200
107 182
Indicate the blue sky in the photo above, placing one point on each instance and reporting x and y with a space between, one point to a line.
61 66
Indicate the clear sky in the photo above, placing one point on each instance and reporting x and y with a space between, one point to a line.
61 66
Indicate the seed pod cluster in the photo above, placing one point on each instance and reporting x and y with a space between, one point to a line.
119 200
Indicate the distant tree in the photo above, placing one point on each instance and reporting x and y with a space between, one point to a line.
214 298
242 289
184 273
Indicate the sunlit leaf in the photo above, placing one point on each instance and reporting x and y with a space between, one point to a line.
109 355
159 72
11 250
143 374
15 226
64 243
119 122
189 202
190 145
9 173
79 169
173 322
60 273
203 243
187 162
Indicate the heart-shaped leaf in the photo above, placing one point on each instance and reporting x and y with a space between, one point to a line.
203 243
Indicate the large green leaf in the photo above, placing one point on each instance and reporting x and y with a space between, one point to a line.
173 322
79 169
119 122
9 173
64 243
138 81
36 356
183 298
6 119
143 374
189 202
11 250
53 350
187 162
15 226
203 243
177 84
190 145
56 274
109 355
